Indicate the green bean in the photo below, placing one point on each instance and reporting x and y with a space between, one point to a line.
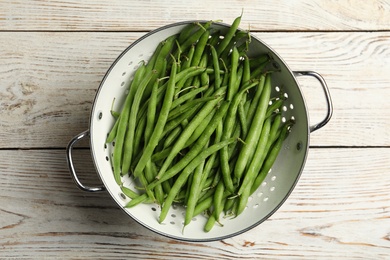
152 59
188 57
209 223
129 138
232 89
246 76
166 48
203 205
229 35
229 204
254 131
255 99
112 134
138 138
193 192
240 73
151 113
218 197
166 186
210 162
275 131
242 117
160 63
115 114
137 200
129 192
188 96
187 171
150 173
200 47
217 74
187 132
162 118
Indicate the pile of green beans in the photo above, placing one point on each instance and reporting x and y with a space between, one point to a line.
199 125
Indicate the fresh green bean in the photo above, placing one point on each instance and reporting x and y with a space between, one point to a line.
151 113
217 74
229 35
232 89
255 99
254 131
162 118
200 47
193 192
112 134
129 138
209 223
138 139
217 202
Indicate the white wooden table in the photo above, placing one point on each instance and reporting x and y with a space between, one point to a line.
53 55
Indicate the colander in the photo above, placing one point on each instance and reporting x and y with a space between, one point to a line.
274 190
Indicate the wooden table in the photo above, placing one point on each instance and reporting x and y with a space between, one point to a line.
53 56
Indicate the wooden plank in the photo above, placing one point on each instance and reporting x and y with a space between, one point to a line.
49 81
145 15
339 209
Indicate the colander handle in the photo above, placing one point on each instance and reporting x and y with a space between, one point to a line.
327 97
72 170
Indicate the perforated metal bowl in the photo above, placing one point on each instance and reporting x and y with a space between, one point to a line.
262 204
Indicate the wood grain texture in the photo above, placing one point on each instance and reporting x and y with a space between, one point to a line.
141 15
340 209
49 81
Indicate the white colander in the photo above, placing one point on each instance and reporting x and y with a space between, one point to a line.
262 204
